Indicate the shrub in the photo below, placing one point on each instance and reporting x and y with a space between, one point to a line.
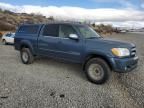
103 29
6 26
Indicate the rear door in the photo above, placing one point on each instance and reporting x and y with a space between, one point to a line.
48 40
69 49
11 39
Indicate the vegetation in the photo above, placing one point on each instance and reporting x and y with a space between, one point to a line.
9 21
104 29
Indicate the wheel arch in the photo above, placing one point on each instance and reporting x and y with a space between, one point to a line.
27 44
104 57
3 39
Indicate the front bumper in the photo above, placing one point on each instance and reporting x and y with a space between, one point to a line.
124 64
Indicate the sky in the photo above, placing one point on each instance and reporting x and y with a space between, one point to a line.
120 13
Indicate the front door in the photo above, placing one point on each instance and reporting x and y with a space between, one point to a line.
69 49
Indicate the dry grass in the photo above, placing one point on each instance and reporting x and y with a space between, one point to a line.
9 21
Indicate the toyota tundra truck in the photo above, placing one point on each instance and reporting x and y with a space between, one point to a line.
77 43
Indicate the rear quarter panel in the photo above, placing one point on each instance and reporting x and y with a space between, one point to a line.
29 39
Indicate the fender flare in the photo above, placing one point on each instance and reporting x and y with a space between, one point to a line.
98 54
26 43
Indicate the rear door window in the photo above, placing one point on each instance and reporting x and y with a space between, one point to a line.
29 29
51 30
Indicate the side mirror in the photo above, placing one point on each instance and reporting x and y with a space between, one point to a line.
73 36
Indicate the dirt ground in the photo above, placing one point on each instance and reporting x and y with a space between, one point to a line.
51 83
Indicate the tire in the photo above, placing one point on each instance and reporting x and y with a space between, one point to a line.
26 56
97 70
4 42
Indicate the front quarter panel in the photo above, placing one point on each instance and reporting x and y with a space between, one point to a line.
98 48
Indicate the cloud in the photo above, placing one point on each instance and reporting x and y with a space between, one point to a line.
77 13
128 24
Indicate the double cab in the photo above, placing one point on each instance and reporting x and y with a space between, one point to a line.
76 43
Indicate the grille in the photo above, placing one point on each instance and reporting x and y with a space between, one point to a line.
133 52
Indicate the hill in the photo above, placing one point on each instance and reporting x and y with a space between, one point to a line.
10 20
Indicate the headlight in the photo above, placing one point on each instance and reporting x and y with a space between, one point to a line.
120 52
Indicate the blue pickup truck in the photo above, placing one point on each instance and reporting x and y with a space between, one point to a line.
76 43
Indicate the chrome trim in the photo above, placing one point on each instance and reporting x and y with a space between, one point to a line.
54 37
133 51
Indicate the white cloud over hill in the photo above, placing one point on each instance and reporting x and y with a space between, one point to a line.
120 17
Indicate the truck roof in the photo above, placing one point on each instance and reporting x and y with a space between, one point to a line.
69 23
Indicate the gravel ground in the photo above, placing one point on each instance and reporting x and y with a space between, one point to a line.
50 83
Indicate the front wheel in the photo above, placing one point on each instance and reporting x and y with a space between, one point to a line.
97 70
4 42
26 56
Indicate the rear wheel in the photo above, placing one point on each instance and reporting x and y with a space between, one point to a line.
26 56
97 70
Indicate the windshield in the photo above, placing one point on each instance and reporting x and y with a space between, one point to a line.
10 35
87 32
13 35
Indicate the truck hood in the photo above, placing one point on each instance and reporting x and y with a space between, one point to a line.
108 43
118 43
